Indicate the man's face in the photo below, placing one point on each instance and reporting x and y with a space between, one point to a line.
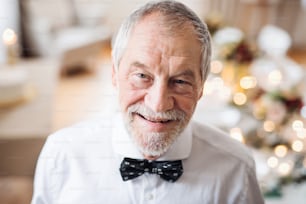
159 84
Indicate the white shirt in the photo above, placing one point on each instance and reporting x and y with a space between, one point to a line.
80 164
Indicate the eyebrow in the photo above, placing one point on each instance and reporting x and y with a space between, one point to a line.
139 65
188 73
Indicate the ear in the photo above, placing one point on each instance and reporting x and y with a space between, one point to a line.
114 76
200 94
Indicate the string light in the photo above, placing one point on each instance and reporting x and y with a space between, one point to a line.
269 126
9 37
215 84
290 132
248 82
281 150
297 145
297 125
239 98
216 67
284 168
272 162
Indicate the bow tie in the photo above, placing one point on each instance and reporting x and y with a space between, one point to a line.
167 170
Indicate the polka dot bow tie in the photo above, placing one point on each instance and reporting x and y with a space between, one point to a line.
167 170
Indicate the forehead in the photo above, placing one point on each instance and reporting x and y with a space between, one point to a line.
153 35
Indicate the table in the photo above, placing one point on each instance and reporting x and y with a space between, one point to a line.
33 118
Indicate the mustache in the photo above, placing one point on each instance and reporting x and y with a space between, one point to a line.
148 113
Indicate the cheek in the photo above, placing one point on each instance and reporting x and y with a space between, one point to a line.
128 95
186 104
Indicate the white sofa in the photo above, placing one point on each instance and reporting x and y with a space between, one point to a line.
72 30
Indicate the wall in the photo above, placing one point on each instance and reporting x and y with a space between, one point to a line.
249 15
47 17
9 16
119 9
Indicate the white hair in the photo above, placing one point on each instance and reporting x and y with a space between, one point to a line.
176 14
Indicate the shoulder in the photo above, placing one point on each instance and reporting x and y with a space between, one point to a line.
220 143
82 135
87 129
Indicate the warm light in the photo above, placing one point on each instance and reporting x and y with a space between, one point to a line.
297 145
258 115
213 85
284 168
268 125
301 133
9 37
236 133
297 125
239 98
248 82
272 162
275 77
216 67
280 150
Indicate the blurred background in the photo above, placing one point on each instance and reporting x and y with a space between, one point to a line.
55 67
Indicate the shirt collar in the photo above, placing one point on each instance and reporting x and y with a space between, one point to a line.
124 145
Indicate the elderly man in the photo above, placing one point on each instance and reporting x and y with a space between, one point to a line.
150 152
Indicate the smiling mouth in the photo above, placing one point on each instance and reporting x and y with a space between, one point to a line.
154 120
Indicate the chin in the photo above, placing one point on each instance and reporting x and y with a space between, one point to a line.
154 133
155 144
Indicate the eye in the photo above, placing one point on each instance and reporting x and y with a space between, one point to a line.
141 79
179 81
142 76
182 86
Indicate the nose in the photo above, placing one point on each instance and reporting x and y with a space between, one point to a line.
159 97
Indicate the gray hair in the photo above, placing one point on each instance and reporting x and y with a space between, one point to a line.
176 15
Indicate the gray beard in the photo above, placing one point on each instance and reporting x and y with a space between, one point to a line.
154 144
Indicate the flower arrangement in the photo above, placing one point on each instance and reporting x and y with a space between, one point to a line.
231 45
240 53
236 54
277 106
280 134
269 90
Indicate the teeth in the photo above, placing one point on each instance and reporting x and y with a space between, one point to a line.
155 120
